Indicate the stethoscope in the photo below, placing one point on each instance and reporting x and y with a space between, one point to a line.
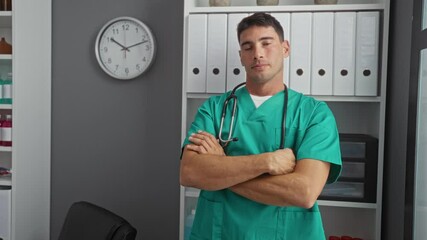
232 96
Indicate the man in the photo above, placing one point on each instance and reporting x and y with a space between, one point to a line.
251 189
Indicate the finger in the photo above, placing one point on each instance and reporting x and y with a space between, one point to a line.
207 144
206 134
202 139
212 139
196 148
196 139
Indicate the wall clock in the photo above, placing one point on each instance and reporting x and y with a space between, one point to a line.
125 48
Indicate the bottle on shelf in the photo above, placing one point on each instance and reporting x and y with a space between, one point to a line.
1 124
189 224
5 5
7 89
325 1
267 2
214 3
334 238
5 172
5 47
6 131
1 90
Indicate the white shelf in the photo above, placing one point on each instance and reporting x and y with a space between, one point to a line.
290 8
5 106
194 193
6 181
347 204
5 56
321 98
5 149
5 13
347 99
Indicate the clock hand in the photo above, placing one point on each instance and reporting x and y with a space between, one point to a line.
123 47
136 44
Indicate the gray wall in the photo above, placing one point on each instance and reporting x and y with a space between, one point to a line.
116 143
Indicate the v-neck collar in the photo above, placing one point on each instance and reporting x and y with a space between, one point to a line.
247 105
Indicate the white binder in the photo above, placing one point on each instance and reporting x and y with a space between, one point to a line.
344 54
285 21
322 53
300 59
367 53
235 71
196 50
217 50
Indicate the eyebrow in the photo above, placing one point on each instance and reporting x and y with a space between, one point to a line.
261 39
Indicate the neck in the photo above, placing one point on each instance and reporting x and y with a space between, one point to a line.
268 88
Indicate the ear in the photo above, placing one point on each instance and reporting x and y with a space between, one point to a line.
286 48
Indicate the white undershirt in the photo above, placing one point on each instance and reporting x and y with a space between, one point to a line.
258 100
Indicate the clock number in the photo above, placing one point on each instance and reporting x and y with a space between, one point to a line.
144 38
147 47
138 67
136 29
144 59
105 49
125 27
115 31
117 67
127 71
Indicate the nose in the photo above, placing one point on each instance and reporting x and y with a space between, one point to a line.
258 53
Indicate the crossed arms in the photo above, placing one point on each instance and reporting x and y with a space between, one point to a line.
273 178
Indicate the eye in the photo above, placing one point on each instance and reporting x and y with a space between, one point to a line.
266 43
246 47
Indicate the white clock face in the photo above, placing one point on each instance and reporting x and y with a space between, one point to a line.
125 48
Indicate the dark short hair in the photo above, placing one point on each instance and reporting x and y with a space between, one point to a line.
260 19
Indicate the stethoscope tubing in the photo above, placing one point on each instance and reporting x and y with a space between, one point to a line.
232 96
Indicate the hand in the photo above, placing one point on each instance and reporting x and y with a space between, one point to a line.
123 47
281 161
205 143
136 44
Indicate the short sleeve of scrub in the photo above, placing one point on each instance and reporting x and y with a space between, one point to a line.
204 119
321 140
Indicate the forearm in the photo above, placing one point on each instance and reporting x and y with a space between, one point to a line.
300 188
283 190
214 172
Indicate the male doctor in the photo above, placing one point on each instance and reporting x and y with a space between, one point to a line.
250 188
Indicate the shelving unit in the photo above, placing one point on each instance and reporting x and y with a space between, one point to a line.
6 152
354 114
28 29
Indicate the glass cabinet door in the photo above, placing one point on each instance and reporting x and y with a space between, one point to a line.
420 203
424 15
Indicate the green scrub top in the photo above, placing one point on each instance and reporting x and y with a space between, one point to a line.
310 131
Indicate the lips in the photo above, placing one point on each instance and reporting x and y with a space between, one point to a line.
259 66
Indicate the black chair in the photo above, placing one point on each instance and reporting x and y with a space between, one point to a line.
86 221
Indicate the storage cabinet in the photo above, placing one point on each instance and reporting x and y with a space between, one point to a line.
25 195
358 104
5 109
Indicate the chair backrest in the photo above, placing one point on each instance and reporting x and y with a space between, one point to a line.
86 221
